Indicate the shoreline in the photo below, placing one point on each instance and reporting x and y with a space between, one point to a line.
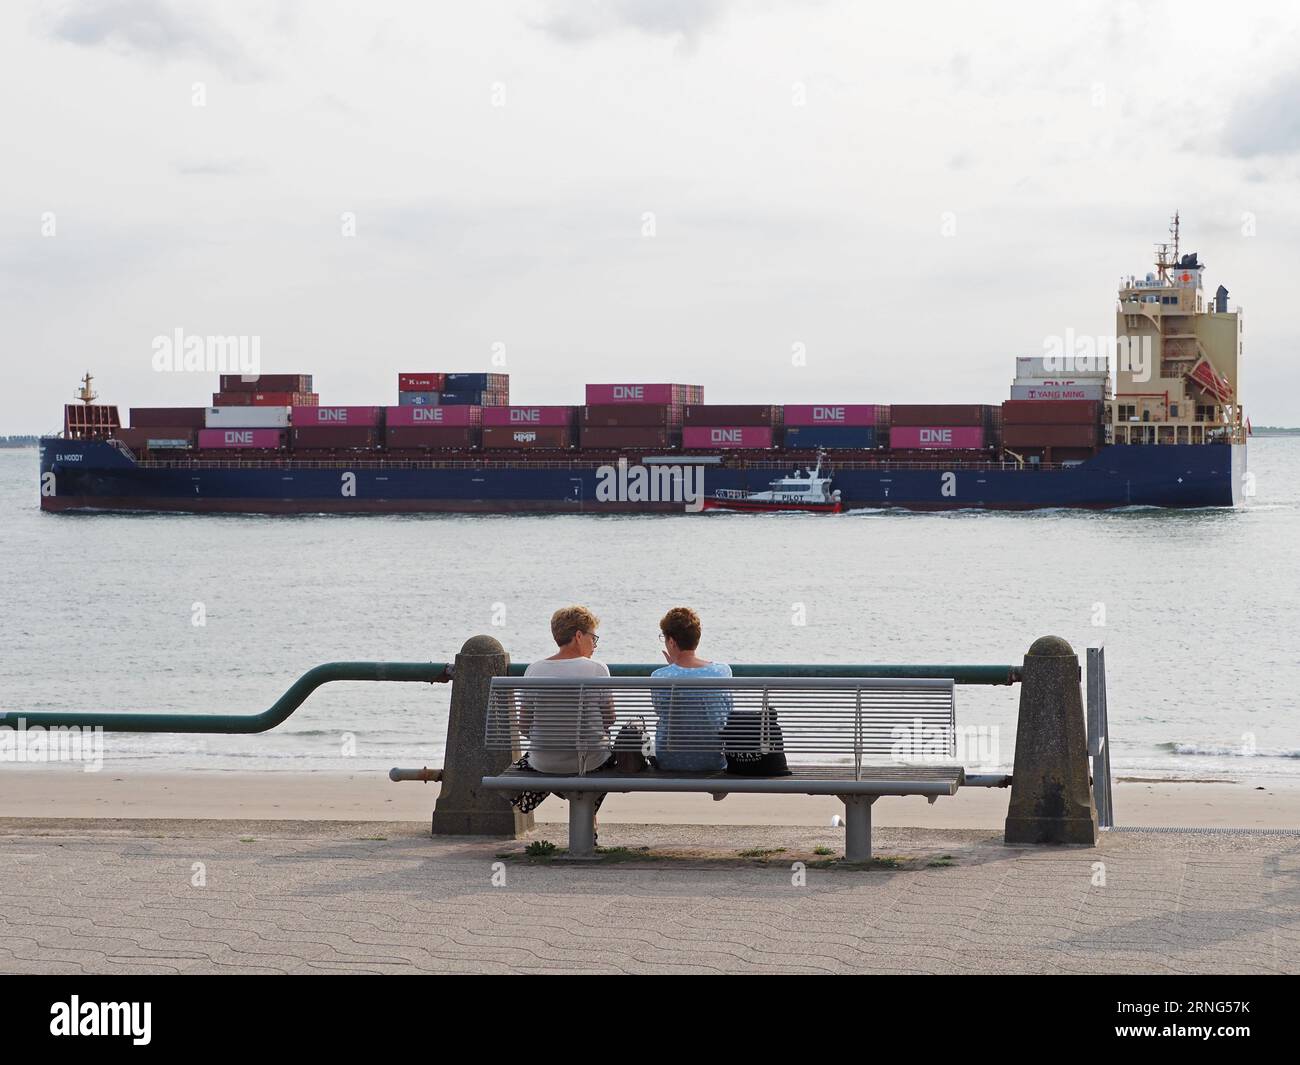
57 793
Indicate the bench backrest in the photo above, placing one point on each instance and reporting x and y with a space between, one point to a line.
897 720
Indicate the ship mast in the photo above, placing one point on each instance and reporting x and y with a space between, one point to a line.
1164 259
87 395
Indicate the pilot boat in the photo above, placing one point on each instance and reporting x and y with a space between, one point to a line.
803 490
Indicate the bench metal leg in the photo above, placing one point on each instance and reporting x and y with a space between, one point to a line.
857 827
582 824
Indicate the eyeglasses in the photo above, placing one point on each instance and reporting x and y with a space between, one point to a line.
595 640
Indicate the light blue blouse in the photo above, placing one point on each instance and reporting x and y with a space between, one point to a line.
695 717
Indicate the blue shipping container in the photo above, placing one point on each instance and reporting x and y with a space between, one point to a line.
473 382
417 399
803 436
462 399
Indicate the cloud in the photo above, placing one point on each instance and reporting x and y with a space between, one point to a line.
1267 122
157 28
219 168
575 21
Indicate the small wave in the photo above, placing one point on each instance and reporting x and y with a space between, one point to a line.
1223 750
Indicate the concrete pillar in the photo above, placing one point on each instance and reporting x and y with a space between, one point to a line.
1051 800
464 807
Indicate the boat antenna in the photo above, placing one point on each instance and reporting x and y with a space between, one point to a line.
1167 251
87 395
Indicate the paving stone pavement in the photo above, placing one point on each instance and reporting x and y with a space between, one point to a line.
300 897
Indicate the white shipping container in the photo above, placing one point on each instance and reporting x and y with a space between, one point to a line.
1062 367
1094 390
247 418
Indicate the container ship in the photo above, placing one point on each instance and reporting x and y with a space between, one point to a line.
1153 421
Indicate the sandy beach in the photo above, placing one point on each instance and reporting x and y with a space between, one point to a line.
58 792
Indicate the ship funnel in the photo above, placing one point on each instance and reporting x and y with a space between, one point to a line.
1221 300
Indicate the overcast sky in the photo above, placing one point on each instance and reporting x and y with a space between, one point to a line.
915 193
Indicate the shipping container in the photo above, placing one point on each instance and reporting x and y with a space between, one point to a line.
496 398
418 399
679 395
247 417
191 417
547 416
1050 412
830 436
453 416
631 415
1064 366
961 437
304 416
729 414
335 436
538 436
265 399
727 436
476 382
421 382
640 436
1040 435
831 414
462 438
946 414
224 438
160 432
267 382
1092 391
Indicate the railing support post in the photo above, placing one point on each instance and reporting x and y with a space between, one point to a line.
464 807
1051 801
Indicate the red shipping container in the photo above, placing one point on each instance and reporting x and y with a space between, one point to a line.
525 416
631 415
161 432
727 436
462 438
267 382
261 438
847 414
458 416
233 399
368 416
644 393
541 436
937 436
421 382
945 414
335 436
642 436
264 399
732 414
1014 436
1051 412
191 417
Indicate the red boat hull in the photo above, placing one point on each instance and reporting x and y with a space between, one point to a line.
761 505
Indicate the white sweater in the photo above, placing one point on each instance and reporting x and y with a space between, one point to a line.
591 746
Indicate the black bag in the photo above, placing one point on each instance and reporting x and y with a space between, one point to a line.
753 744
629 748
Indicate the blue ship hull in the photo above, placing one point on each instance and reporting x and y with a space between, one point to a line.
89 475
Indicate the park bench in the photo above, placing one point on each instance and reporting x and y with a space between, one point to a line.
856 738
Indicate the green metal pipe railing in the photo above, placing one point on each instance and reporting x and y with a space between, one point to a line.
435 673
428 672
960 674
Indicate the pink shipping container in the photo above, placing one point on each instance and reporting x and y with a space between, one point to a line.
458 416
727 436
527 416
642 393
265 438
849 414
303 416
936 436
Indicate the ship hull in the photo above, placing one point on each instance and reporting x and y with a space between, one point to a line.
94 476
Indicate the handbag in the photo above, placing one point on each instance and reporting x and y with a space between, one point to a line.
629 748
753 744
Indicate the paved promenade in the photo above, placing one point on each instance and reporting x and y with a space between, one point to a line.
265 897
